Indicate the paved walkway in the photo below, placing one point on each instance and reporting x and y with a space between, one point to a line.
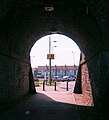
61 94
51 105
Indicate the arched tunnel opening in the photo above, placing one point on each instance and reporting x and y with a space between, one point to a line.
57 44
21 23
65 63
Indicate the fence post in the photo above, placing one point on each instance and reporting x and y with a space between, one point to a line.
43 85
55 86
67 86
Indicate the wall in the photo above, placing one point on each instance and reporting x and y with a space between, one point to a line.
99 75
86 86
83 86
14 78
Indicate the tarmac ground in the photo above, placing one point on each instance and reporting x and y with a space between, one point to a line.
50 104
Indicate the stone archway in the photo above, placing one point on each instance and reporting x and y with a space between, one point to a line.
22 23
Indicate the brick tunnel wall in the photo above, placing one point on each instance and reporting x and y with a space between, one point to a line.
99 72
83 83
86 86
94 81
14 81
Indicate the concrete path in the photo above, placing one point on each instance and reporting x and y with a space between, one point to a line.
61 94
50 105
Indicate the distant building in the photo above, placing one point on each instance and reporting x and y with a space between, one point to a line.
61 71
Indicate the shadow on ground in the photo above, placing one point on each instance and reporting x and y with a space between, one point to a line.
42 107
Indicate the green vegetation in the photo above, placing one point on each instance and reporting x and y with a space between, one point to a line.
39 82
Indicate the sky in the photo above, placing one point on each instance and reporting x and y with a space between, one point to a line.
65 49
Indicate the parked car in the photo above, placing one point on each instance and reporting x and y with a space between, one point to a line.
56 78
68 78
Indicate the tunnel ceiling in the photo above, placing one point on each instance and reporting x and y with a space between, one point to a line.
25 21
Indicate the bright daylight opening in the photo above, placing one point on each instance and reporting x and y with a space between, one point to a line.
65 49
55 79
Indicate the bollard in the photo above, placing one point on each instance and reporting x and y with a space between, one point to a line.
55 86
44 85
67 86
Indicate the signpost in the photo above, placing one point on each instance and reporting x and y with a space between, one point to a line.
50 56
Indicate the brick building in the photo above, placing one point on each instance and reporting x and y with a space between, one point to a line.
55 70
